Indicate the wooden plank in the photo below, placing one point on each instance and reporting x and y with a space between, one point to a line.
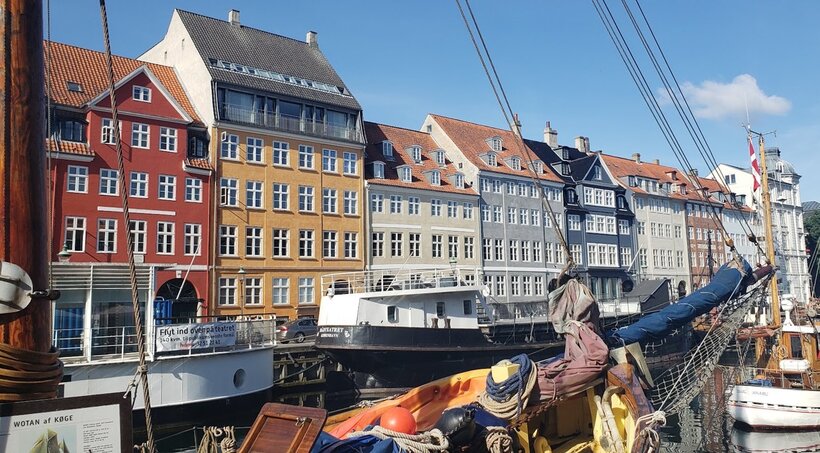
282 428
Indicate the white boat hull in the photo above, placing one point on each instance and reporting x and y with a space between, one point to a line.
178 380
775 408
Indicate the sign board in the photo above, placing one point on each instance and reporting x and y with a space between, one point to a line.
85 424
184 337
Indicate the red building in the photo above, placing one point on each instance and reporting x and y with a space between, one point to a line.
169 183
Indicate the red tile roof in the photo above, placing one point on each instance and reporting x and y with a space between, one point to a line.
66 147
202 164
88 68
622 167
403 139
471 138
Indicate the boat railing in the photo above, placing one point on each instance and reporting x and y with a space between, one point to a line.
779 378
399 280
168 336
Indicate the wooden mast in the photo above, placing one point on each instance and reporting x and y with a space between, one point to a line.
23 238
767 218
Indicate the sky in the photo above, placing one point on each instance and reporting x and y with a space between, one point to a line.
405 59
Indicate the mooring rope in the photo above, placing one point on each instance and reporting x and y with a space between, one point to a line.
29 375
426 442
498 440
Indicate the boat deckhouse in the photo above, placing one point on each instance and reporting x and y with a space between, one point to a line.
422 213
287 146
169 187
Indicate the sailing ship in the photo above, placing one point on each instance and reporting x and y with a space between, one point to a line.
784 391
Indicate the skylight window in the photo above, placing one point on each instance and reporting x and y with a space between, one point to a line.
272 75
76 87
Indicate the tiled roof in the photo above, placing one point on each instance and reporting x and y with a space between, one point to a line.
66 147
202 164
403 139
471 138
88 68
622 168
248 46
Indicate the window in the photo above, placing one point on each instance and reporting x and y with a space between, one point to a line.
512 216
487 250
510 188
513 250
467 211
395 204
329 244
574 222
524 216
405 174
106 236
538 284
281 154
253 241
496 186
107 133
435 208
435 178
139 135
677 231
499 250
492 161
436 246
253 291
350 163
439 157
387 149
459 181
77 179
623 226
452 247
396 244
306 157
229 147
329 160
281 243
71 130
378 170
227 191
253 194
330 201
500 286
377 249
168 139
549 252
626 256
227 240
415 154
535 217
415 244
413 205
376 202
108 182
730 179
74 86
254 150
227 291
141 94
351 202
526 249
515 163
75 234
351 245
307 290
193 190
281 290
452 209
193 239
306 244
167 187
526 281
280 196
497 218
139 184
596 173
165 238
642 257
306 198
577 255
469 247
485 213
536 252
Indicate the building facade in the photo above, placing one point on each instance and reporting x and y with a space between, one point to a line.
704 215
287 146
422 213
169 189
519 248
658 198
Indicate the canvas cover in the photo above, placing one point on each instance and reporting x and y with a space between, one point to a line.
572 301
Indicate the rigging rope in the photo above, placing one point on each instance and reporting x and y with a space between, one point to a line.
508 398
142 368
426 442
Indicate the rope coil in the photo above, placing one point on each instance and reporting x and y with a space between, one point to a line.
29 375
508 398
426 442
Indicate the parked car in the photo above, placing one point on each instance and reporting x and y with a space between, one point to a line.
297 330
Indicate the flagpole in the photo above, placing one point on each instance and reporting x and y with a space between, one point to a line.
767 218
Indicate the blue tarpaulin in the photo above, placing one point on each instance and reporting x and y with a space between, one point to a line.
326 443
726 284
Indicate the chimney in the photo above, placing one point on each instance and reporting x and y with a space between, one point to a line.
516 125
693 172
550 136
582 143
656 161
636 157
312 39
233 17
586 144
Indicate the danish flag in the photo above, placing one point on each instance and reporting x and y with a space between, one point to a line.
755 166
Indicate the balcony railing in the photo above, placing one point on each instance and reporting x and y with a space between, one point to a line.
238 114
399 280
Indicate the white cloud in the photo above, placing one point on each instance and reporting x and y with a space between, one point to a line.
715 100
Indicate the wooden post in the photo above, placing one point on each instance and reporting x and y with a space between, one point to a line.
23 223
767 218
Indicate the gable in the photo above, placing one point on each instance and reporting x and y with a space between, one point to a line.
161 103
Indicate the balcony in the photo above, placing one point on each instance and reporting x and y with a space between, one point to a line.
243 115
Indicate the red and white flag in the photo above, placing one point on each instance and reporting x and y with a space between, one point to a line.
755 166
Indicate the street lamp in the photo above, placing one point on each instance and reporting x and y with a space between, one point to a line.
64 256
241 272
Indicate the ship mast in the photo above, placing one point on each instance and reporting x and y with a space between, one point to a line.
769 234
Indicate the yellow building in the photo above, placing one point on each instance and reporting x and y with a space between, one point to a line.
287 145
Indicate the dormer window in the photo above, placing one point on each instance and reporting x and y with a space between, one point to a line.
495 143
142 94
405 174
415 154
492 160
515 163
435 177
378 170
387 148
633 182
459 181
565 154
438 156
538 166
683 189
565 170
596 173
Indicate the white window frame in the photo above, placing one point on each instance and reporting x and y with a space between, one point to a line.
329 161
307 199
167 184
280 294
307 291
138 184
167 139
350 163
351 202
254 194
228 238
192 240
254 150
140 135
254 244
330 244
165 233
229 147
108 182
140 93
75 227
77 179
330 201
107 236
281 196
351 248
306 160
307 244
193 190
281 154
280 243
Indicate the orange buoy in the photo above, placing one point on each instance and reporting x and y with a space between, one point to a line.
398 419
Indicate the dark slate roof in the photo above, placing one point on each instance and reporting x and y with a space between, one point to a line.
580 167
548 155
810 206
248 46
